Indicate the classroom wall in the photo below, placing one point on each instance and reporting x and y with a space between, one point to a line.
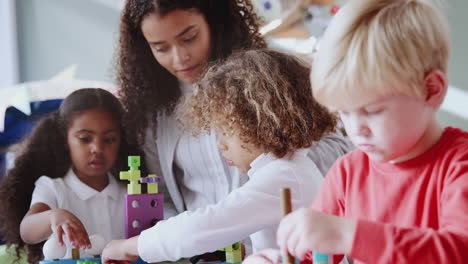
54 34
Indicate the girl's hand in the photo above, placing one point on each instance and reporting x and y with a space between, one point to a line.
306 229
266 256
64 222
122 251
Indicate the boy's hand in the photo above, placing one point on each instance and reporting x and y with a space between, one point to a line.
266 256
121 251
307 229
64 222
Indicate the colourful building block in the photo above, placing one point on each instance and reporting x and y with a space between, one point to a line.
142 211
152 180
233 253
319 258
133 175
134 162
87 262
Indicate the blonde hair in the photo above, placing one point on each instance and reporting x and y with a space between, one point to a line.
264 97
376 48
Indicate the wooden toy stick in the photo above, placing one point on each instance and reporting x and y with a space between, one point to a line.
287 208
75 253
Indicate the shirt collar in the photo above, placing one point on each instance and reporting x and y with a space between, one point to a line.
266 158
85 192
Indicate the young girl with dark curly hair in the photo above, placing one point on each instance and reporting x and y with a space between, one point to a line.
164 48
261 104
64 182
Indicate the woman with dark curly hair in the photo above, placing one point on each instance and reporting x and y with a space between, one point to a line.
65 179
164 48
261 104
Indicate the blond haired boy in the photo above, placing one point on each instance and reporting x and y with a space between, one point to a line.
402 195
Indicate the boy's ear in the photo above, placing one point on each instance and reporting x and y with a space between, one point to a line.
435 85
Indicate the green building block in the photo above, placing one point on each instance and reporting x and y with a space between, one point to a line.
134 176
86 262
233 253
133 162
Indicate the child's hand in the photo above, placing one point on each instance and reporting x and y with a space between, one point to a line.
266 256
307 229
64 222
120 251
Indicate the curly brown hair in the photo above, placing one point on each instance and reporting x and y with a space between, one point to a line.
147 88
264 97
45 153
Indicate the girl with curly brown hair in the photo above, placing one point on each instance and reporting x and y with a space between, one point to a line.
164 48
63 181
261 104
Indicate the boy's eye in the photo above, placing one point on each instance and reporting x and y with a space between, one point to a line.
373 111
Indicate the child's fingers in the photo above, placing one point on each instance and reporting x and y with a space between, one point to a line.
283 233
70 233
82 235
291 243
302 249
272 254
58 231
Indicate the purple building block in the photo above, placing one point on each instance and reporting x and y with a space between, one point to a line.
151 180
142 211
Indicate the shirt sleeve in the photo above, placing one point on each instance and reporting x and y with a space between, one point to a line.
246 210
45 192
386 243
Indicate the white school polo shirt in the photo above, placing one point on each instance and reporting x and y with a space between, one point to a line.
100 212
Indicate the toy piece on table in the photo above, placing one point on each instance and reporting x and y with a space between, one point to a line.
142 211
286 207
53 250
319 258
97 245
233 253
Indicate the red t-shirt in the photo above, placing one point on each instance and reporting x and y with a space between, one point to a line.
414 211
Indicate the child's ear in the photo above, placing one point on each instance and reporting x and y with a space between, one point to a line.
435 85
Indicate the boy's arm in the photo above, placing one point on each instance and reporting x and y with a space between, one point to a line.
384 243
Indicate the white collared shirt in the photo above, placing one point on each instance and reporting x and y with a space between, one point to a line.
100 212
250 210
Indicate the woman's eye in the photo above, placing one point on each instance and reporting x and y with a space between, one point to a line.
188 40
161 50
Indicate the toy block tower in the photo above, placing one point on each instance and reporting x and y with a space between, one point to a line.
142 211
233 253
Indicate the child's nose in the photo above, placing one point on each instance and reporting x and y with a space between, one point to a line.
97 147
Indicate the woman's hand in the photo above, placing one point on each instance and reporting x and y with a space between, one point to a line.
122 251
64 222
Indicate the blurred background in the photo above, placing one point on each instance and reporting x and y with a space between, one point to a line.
72 42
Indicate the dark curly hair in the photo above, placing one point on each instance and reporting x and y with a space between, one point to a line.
146 87
45 153
264 97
